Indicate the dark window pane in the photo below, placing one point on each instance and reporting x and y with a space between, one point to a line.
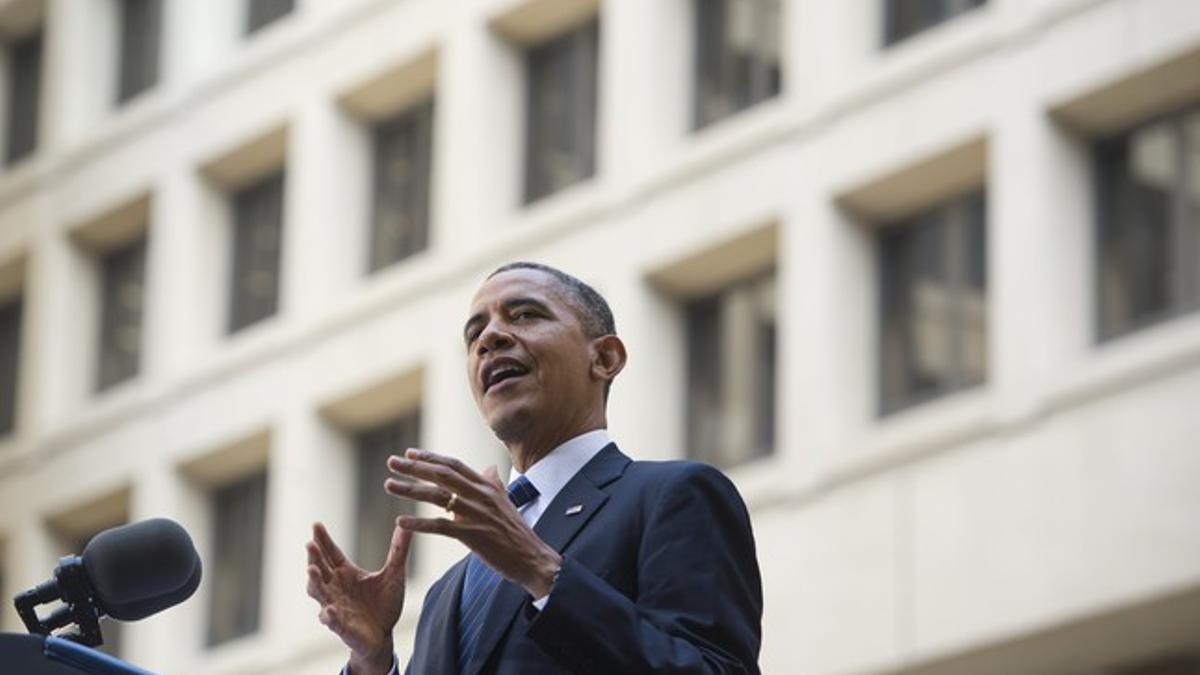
400 215
10 363
904 18
1148 267
121 296
933 298
737 56
377 510
731 360
24 96
561 115
141 27
239 517
259 13
257 241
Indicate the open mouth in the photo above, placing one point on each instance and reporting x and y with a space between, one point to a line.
501 371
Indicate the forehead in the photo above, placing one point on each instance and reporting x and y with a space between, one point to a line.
518 283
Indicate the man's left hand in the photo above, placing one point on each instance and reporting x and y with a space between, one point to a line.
483 517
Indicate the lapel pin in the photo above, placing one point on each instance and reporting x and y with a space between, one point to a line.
578 508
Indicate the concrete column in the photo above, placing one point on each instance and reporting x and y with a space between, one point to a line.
1039 222
646 85
328 183
186 272
827 372
478 135
167 640
55 352
310 478
78 72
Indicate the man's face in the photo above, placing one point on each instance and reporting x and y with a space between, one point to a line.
528 359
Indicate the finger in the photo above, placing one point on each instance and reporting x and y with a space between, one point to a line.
397 556
422 492
316 589
439 474
452 463
329 618
316 560
442 526
492 475
333 555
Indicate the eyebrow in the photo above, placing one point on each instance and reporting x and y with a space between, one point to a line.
508 305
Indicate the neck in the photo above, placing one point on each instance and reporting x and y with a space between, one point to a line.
529 450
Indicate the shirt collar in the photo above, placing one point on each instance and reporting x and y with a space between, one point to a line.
552 472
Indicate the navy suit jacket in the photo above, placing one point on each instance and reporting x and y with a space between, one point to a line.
659 575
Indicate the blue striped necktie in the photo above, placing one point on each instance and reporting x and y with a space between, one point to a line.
480 582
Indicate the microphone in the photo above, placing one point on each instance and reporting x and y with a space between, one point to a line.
127 573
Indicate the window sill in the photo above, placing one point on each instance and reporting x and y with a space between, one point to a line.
1131 360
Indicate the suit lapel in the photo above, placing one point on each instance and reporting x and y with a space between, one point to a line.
557 529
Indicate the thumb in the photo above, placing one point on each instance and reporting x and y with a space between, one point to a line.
398 551
492 475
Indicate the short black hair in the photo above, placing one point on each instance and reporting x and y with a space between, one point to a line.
593 310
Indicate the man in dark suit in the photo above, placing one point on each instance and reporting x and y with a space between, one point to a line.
588 562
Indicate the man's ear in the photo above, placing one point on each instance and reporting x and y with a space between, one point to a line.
608 357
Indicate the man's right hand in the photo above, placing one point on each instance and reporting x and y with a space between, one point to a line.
360 607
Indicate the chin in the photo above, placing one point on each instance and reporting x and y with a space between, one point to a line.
509 425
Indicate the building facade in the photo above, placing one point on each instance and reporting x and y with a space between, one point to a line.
924 277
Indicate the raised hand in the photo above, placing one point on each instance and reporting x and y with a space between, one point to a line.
360 607
483 517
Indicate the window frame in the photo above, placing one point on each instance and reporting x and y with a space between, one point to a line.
254 486
764 418
580 47
960 207
417 124
766 81
10 413
1183 228
247 204
23 123
139 53
109 324
892 37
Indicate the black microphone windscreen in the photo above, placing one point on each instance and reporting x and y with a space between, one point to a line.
141 568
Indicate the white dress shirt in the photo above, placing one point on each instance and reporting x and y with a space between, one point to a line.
552 472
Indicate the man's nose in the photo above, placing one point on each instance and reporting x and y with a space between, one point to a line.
494 337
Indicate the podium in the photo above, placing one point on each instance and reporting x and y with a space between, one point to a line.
38 655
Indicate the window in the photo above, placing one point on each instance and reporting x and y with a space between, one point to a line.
260 13
10 363
933 292
1149 224
561 118
905 18
377 510
257 238
737 56
122 293
24 96
141 29
239 511
731 373
400 213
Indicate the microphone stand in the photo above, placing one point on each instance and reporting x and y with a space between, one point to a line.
70 651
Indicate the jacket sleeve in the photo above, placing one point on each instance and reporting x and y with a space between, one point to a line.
698 601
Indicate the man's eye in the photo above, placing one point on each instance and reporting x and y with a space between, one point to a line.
522 314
